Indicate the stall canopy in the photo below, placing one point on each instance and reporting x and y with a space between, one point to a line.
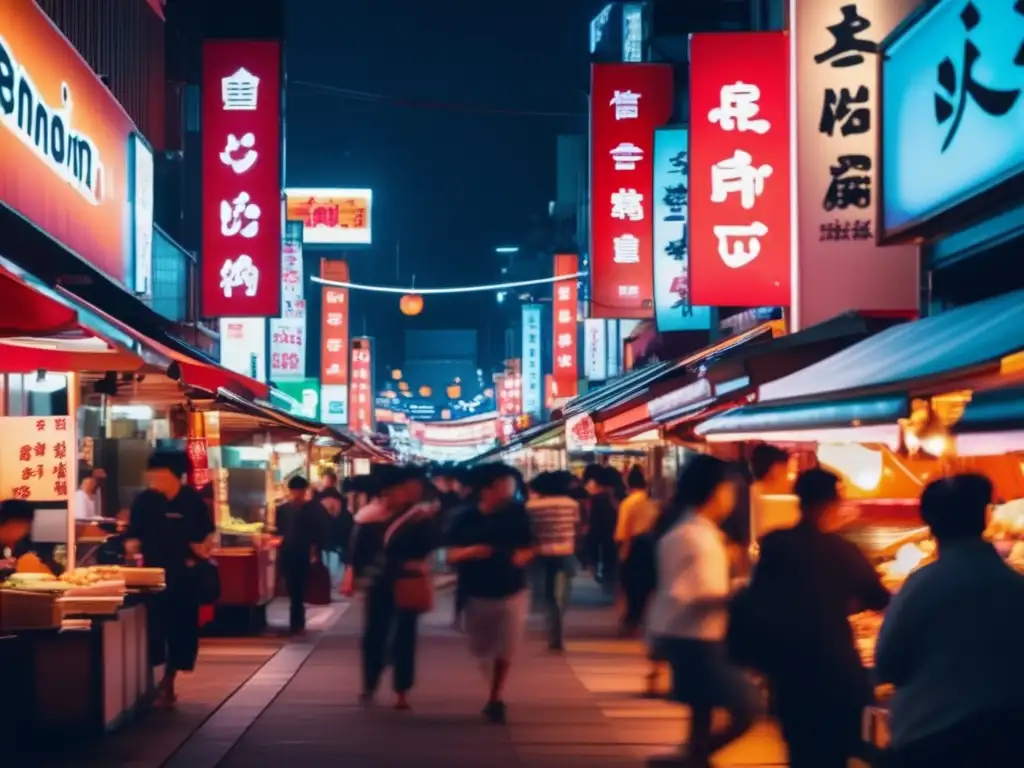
24 311
181 361
529 437
274 418
626 391
872 382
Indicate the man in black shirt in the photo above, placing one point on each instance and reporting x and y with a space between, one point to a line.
303 526
493 544
170 527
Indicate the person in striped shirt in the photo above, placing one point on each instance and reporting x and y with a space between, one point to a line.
555 517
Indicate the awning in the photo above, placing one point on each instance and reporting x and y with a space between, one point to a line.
871 383
634 387
539 433
273 417
182 361
24 311
993 410
630 414
23 355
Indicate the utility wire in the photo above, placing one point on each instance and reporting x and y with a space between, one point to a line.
380 98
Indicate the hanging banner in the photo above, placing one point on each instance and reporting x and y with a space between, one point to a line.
288 332
839 265
362 417
672 306
627 103
36 458
564 315
241 156
243 346
533 370
334 350
510 394
595 349
740 170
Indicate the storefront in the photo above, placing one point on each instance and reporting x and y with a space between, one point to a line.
951 163
890 414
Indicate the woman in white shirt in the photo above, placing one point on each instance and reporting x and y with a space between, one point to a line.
689 613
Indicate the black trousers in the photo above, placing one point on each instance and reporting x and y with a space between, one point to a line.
461 598
173 624
296 579
556 574
389 636
636 571
821 723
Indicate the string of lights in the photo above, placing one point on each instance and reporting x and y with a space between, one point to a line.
457 289
381 98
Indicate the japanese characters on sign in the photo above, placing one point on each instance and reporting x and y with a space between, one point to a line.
628 102
334 351
953 112
533 368
288 332
510 394
565 349
361 409
580 434
839 265
241 105
37 458
332 216
673 310
595 349
739 170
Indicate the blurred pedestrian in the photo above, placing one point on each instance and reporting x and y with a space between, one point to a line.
494 543
604 512
304 527
637 515
393 538
807 583
689 612
555 517
950 641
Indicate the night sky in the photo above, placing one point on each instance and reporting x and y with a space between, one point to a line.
450 181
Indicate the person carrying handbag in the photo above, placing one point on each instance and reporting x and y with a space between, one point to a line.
303 526
393 538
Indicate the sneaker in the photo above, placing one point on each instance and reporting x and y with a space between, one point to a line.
495 712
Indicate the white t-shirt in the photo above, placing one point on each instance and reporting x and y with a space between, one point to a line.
85 505
693 568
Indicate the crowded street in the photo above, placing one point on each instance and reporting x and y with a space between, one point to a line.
267 702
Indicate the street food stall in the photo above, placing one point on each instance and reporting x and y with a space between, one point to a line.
912 404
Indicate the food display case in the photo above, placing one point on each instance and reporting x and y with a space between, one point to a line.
79 647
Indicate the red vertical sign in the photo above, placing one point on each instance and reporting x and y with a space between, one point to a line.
627 103
565 367
241 155
739 170
334 344
361 417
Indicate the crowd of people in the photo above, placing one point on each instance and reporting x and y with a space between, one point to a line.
727 628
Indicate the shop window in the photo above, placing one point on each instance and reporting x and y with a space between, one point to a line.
171 265
42 394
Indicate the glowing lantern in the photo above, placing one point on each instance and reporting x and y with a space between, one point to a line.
396 374
404 387
425 391
454 391
446 414
489 392
411 304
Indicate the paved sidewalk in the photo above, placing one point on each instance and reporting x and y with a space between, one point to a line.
582 708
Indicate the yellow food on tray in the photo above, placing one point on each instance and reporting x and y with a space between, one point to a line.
238 525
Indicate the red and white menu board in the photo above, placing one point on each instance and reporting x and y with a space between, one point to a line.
37 457
288 332
739 170
510 394
241 156
334 341
565 367
361 411
627 103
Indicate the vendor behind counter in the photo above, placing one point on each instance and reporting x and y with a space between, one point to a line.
18 552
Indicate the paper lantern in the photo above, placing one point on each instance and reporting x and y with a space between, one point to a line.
454 391
425 391
411 304
403 386
396 374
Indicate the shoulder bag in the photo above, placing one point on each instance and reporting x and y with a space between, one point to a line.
414 587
